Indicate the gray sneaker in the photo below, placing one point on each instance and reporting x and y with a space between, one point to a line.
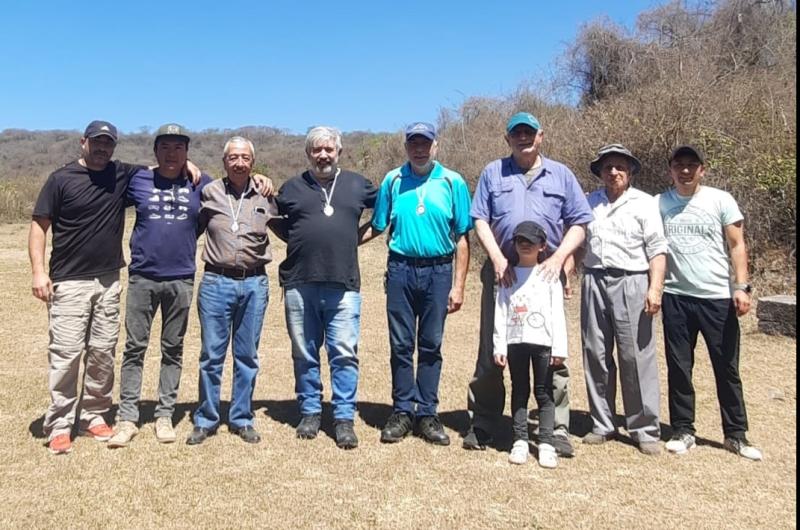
165 433
126 430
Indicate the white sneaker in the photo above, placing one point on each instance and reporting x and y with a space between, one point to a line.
519 452
165 433
547 456
742 447
680 443
126 430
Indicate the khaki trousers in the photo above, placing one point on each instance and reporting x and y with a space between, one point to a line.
84 316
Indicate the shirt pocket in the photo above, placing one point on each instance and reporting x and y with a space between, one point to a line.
502 197
258 222
553 200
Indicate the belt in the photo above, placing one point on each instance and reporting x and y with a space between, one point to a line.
420 262
615 273
236 273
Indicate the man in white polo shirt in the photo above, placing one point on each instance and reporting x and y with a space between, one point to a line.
624 261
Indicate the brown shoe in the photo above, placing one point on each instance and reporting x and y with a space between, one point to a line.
650 448
596 439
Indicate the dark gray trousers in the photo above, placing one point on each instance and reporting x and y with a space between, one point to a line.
145 296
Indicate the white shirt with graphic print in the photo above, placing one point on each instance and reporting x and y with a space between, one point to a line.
698 263
531 311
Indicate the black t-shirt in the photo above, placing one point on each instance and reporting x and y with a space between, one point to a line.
323 248
86 209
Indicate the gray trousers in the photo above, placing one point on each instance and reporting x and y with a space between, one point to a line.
145 296
612 311
486 397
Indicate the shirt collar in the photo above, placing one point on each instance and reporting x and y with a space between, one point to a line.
248 190
517 170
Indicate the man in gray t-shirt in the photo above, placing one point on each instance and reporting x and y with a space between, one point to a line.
699 222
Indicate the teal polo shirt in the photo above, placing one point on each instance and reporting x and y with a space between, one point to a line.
426 214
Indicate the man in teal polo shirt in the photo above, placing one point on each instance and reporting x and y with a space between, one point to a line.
426 208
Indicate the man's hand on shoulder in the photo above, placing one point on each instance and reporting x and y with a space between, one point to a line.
264 185
550 269
193 172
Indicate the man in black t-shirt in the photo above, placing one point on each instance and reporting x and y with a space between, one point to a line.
84 203
321 209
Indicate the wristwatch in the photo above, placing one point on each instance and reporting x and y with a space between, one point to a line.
746 287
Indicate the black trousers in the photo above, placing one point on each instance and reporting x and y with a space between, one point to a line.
685 317
521 357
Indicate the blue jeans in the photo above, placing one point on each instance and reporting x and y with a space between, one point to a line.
227 305
317 313
416 307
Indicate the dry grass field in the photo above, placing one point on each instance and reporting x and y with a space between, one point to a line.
288 483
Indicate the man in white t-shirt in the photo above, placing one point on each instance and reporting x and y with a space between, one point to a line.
699 222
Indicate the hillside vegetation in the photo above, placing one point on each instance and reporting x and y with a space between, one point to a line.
721 75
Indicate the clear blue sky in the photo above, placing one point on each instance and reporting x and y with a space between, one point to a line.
365 65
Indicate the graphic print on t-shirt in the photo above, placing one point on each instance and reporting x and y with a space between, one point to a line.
169 204
689 229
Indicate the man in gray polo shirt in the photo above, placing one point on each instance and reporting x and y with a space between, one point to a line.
233 293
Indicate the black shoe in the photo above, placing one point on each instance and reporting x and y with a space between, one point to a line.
476 439
247 433
431 430
198 435
308 427
397 427
345 435
563 445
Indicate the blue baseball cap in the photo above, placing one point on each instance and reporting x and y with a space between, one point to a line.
422 128
523 118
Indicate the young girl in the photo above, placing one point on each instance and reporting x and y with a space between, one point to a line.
529 329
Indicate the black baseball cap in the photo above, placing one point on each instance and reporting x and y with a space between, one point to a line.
689 150
100 128
530 231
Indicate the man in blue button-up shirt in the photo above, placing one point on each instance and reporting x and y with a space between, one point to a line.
522 187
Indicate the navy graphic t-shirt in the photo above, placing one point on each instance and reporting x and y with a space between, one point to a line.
164 239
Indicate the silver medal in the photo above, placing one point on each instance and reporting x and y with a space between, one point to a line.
420 209
234 227
328 210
